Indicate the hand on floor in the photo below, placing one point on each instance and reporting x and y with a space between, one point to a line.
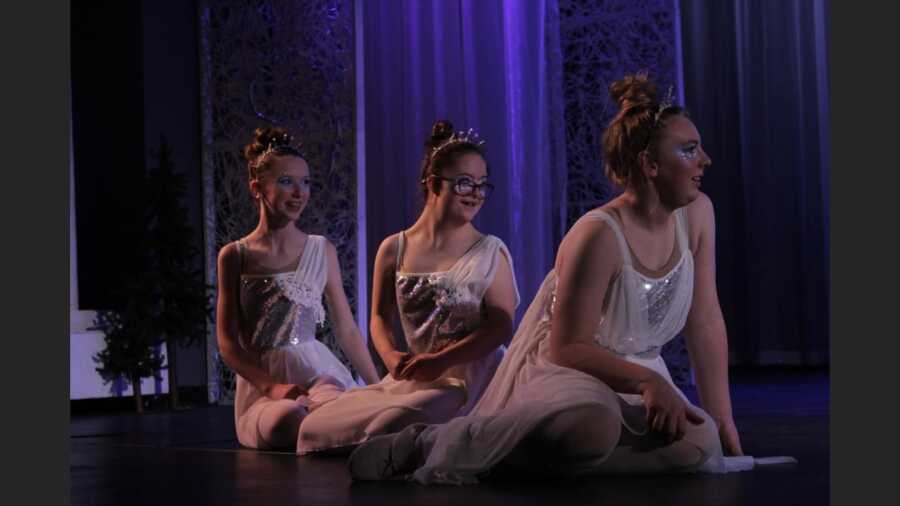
731 442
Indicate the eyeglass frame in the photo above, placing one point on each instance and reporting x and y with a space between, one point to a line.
476 187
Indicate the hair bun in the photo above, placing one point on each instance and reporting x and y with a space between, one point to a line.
440 132
262 137
633 90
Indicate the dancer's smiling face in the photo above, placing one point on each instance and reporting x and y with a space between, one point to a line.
283 189
461 188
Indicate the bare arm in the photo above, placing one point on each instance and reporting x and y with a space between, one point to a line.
705 333
587 261
345 328
384 306
495 329
246 363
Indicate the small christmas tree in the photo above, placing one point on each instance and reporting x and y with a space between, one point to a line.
131 342
167 299
184 304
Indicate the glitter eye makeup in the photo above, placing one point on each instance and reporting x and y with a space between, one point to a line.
688 152
287 181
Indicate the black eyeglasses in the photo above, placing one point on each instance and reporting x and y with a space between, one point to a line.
465 186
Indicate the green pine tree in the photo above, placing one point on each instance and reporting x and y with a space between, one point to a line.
184 306
131 348
167 299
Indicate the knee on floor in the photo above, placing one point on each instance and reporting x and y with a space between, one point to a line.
591 431
704 436
280 423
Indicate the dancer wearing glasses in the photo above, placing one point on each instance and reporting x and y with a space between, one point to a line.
454 291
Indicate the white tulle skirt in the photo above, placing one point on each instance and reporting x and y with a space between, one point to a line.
310 365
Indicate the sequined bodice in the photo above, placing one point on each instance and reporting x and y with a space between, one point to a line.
643 313
439 308
433 313
283 309
271 318
656 294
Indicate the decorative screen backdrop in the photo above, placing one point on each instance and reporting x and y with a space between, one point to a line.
288 64
603 40
292 64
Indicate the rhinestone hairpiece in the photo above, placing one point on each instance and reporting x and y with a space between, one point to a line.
286 141
665 103
470 136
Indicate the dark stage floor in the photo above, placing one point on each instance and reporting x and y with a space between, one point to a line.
192 457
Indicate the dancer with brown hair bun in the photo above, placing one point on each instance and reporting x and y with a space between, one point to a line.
270 300
454 291
583 388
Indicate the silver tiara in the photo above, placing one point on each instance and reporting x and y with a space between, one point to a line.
665 103
470 136
285 142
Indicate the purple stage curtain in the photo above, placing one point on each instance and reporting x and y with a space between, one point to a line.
756 83
490 65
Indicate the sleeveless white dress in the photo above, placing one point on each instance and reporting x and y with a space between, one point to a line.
640 315
436 309
279 314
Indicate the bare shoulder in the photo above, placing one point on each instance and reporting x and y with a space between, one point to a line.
593 237
701 209
331 255
593 231
330 248
499 249
389 247
701 222
229 263
490 238
228 253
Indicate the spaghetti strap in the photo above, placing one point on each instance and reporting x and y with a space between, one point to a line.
681 222
239 244
400 246
620 238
